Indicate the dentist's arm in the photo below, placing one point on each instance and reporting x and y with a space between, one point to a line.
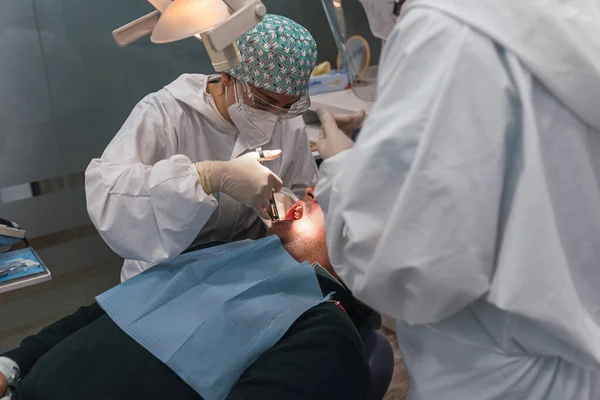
145 199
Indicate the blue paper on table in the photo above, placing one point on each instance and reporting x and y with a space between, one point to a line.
210 314
33 265
333 81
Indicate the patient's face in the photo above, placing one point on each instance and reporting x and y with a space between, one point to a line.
302 231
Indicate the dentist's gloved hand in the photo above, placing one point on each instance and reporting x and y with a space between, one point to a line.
243 179
332 140
349 123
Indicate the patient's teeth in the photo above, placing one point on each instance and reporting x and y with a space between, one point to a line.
298 212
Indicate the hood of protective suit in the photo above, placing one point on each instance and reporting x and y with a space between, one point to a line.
557 40
190 89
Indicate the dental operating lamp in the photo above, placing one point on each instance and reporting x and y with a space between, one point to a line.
217 23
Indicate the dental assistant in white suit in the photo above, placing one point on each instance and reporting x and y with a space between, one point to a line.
183 168
469 207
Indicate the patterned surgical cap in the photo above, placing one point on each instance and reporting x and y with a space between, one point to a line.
277 55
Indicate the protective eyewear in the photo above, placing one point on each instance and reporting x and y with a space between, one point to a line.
248 95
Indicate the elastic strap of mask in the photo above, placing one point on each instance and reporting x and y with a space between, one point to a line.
235 96
235 91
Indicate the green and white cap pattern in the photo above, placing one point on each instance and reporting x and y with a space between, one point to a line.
278 55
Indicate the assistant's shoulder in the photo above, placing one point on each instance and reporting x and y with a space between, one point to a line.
428 50
426 21
426 31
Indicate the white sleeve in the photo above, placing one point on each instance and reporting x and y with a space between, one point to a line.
144 199
412 209
305 168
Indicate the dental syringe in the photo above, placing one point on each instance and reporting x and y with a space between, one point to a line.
272 211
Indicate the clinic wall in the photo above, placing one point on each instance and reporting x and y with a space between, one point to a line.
65 89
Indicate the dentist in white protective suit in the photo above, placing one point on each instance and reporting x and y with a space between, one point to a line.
183 168
483 236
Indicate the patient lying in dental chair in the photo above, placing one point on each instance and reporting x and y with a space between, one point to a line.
87 355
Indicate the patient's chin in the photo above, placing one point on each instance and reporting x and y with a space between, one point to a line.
283 230
297 251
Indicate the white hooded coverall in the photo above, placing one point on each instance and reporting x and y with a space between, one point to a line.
469 208
144 195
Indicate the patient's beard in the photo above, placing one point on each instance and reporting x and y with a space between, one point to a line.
304 239
311 248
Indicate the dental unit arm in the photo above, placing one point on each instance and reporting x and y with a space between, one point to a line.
217 23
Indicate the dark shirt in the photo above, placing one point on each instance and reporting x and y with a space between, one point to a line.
86 356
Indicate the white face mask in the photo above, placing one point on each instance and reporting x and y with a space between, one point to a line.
380 14
256 126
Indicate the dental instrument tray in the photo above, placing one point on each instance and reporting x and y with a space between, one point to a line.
21 268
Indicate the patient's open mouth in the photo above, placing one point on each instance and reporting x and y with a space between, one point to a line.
295 212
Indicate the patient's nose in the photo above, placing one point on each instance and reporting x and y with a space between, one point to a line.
310 192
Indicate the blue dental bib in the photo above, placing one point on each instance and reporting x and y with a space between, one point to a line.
210 314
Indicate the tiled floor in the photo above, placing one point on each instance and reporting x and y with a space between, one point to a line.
400 381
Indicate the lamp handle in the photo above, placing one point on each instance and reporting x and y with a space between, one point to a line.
136 29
